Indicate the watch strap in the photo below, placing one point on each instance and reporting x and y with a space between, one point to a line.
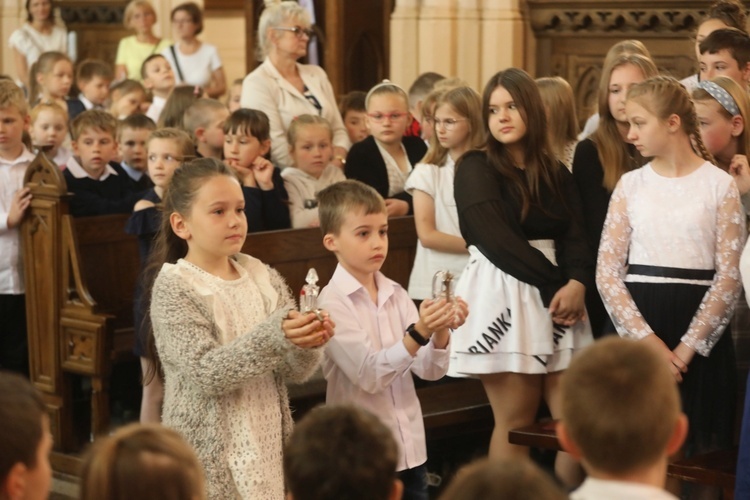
414 334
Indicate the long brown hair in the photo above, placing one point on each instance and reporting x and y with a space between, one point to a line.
559 102
168 247
540 165
614 154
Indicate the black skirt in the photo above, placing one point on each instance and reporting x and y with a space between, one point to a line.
708 389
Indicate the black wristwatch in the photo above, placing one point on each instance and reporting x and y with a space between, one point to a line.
418 338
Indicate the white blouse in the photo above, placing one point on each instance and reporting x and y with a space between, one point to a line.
437 182
31 43
689 222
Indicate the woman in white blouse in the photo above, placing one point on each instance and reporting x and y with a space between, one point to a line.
194 62
282 88
38 35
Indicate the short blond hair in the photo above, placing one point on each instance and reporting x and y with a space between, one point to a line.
93 119
132 7
180 137
345 197
11 96
620 405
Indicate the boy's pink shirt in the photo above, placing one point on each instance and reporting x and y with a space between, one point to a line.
366 362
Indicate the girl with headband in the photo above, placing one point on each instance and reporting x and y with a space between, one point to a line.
722 107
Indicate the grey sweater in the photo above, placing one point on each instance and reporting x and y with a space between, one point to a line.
207 379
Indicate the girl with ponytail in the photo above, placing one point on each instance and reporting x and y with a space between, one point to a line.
668 260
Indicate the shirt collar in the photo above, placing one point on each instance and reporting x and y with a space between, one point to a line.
26 156
77 171
625 489
132 173
350 285
86 103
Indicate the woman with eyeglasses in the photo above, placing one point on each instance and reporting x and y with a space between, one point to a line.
194 62
283 88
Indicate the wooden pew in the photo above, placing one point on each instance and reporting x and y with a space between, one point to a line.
81 274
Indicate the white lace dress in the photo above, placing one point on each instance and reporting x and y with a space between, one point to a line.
668 264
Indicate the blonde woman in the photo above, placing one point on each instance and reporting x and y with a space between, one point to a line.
139 17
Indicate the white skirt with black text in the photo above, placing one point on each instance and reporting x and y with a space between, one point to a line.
508 328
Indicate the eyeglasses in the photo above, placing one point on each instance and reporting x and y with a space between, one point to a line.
448 124
299 31
379 117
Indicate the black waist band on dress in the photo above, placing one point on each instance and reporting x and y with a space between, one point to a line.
672 272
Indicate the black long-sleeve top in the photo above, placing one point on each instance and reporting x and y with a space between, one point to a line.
114 195
267 210
588 174
489 216
365 163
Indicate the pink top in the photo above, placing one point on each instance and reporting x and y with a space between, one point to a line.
367 364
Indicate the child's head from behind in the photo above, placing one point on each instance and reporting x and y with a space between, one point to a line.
93 133
142 461
341 452
178 102
419 89
458 122
726 52
620 408
49 124
354 223
127 98
204 214
722 107
560 107
354 115
157 75
25 443
657 110
93 78
52 76
488 479
247 135
167 148
204 120
132 135
234 95
310 140
387 112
